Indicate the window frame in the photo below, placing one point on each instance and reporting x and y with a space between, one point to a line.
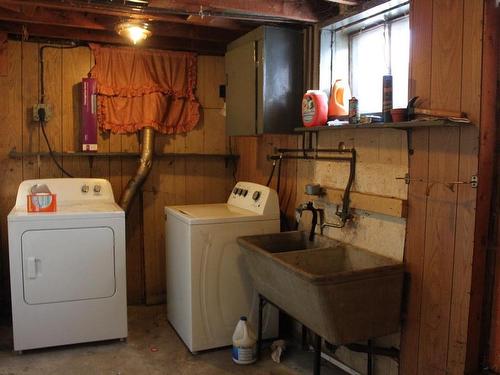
334 41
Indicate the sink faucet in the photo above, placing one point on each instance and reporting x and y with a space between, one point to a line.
309 206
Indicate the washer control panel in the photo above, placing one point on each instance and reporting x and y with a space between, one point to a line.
254 197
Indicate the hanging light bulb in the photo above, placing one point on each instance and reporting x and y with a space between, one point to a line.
136 31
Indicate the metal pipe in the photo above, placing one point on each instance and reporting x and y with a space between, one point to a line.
299 157
145 164
315 150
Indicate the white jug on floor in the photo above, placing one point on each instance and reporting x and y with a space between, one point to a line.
244 343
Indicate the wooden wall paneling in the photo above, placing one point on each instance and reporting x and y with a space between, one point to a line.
153 290
4 55
179 143
53 96
135 248
101 166
194 166
444 148
154 225
215 187
476 344
11 170
115 165
75 66
414 254
30 86
466 204
439 252
211 74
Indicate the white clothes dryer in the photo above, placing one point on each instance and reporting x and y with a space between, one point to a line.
67 268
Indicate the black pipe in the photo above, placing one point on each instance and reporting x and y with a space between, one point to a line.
370 359
344 215
317 355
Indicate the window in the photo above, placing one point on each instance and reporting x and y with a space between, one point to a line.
364 47
375 52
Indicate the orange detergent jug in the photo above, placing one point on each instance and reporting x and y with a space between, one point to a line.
339 99
314 108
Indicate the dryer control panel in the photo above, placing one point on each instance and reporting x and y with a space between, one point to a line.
68 190
254 197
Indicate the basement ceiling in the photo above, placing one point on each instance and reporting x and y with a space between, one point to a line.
193 25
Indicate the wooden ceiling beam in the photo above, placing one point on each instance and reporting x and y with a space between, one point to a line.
100 36
124 12
71 19
258 10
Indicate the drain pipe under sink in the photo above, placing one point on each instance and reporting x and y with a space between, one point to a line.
145 164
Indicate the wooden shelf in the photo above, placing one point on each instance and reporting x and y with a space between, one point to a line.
390 125
14 154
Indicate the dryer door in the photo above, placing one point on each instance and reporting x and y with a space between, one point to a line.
61 265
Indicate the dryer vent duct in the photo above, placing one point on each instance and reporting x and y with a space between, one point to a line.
145 164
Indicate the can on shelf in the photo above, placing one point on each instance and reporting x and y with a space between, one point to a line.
353 111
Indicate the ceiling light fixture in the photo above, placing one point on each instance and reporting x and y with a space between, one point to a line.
136 31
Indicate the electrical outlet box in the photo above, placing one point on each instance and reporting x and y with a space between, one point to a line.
48 112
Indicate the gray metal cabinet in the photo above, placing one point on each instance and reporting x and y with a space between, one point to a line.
264 82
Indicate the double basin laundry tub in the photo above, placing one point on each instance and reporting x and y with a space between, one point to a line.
343 293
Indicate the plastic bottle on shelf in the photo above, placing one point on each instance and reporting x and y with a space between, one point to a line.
244 343
339 99
314 108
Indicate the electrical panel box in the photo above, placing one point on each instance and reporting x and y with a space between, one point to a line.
264 82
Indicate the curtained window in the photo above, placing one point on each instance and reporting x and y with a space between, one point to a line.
140 87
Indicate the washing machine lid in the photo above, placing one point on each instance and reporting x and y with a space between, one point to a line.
215 213
70 210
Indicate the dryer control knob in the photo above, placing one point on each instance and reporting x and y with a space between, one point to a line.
85 188
97 188
256 196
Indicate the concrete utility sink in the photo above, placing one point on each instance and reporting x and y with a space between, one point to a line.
341 292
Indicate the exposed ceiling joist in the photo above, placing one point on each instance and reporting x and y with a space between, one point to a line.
148 13
277 10
99 36
80 20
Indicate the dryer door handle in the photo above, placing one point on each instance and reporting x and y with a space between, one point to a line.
31 265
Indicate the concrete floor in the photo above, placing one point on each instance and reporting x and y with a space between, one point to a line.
152 348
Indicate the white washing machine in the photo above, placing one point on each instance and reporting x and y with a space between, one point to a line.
208 288
67 268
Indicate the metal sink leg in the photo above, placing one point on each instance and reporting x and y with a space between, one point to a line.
317 355
259 326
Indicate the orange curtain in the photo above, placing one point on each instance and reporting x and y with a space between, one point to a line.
140 87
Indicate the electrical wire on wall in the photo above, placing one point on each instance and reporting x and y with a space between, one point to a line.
283 219
41 100
235 164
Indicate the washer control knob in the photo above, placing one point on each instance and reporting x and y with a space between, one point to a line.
97 188
235 190
245 193
256 196
85 188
